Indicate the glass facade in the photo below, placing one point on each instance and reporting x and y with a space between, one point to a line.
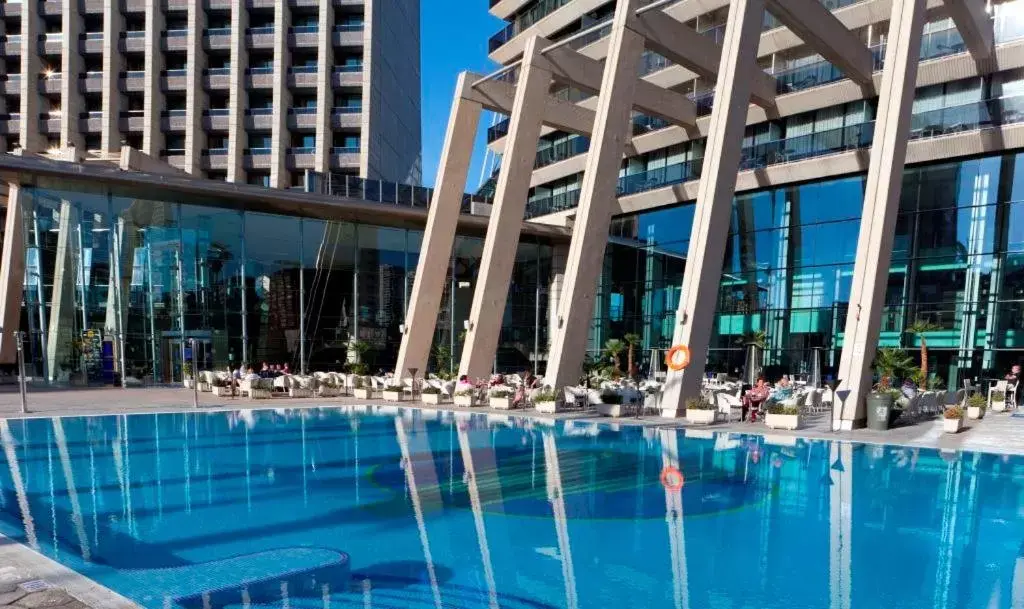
249 287
958 262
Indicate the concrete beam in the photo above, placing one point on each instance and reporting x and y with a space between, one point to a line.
575 68
974 25
12 274
511 193
499 96
71 66
439 236
682 45
823 32
709 234
597 198
136 160
152 94
62 300
882 191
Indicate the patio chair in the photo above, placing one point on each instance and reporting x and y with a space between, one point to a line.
1011 393
728 404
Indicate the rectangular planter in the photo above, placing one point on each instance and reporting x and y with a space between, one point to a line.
610 410
363 393
298 392
952 425
782 421
188 383
432 398
705 416
393 396
975 412
205 387
465 400
546 407
222 392
327 392
501 403
999 406
260 394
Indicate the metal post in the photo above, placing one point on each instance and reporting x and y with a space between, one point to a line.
302 298
195 374
19 336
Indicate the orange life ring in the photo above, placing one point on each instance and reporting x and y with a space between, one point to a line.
672 478
678 357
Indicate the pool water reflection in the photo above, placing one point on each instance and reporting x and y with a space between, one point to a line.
386 507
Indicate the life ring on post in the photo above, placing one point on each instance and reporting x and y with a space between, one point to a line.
677 358
672 479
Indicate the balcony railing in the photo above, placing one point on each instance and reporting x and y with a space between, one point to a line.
307 69
349 27
266 29
218 71
218 31
218 112
353 187
349 68
305 29
135 34
259 111
303 150
257 151
260 70
347 109
525 19
302 110
178 33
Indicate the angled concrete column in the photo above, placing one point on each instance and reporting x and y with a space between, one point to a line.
840 521
153 96
12 273
597 196
559 254
439 236
195 94
324 89
696 313
62 299
280 136
237 95
878 218
31 65
113 65
70 89
499 253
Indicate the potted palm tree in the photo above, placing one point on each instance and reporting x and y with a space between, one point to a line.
889 363
632 341
613 348
919 328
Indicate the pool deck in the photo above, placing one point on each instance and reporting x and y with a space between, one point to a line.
996 433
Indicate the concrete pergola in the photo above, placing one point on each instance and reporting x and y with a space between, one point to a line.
521 90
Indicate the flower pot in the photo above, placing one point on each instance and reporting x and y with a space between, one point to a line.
782 421
432 398
999 406
363 393
609 410
879 406
501 403
975 412
465 400
547 407
393 396
952 425
704 416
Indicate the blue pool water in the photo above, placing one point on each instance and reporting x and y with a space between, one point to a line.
379 508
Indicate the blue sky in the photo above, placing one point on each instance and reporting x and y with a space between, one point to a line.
454 38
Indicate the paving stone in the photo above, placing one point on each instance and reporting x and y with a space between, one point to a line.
6 587
53 597
75 604
10 596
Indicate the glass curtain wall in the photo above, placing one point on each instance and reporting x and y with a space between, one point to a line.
116 280
958 263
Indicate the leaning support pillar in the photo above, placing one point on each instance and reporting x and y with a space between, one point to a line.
597 196
442 220
709 235
878 218
499 253
62 301
12 274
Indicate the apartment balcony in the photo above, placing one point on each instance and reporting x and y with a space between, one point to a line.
10 84
259 118
346 118
344 157
93 7
301 158
135 80
49 123
177 5
217 78
256 158
215 158
50 84
347 76
51 44
90 122
302 118
91 82
134 41
175 40
50 8
304 36
347 35
302 76
217 38
10 123
259 78
175 80
136 6
132 121
260 37
91 42
217 119
173 120
10 9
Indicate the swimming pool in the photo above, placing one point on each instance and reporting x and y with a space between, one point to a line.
378 507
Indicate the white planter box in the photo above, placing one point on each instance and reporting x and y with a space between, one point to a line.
952 425
432 398
260 394
363 393
999 406
222 392
694 415
782 421
393 396
669 413
189 383
298 392
465 400
205 387
501 403
609 410
546 407
324 391
975 412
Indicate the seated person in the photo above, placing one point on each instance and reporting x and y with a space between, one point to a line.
783 390
908 389
1014 374
754 398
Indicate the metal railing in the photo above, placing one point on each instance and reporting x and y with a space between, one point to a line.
378 191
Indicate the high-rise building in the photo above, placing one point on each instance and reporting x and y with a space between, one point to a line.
253 92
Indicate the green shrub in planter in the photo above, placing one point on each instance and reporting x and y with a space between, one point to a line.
978 401
394 388
430 390
501 393
465 392
546 395
699 404
780 409
997 396
953 412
